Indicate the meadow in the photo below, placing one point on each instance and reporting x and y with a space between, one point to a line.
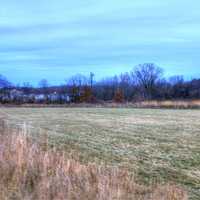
156 146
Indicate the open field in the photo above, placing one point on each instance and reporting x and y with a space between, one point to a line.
29 170
156 145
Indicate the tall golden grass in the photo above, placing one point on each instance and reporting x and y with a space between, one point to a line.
30 171
179 104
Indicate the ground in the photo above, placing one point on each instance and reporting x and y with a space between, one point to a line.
156 145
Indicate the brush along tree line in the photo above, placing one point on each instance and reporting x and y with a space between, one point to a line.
145 82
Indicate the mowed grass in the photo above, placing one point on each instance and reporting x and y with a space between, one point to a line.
156 145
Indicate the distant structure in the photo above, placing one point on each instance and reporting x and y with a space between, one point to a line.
18 96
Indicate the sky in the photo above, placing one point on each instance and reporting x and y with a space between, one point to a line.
57 39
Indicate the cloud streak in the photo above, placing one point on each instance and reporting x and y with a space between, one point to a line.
105 37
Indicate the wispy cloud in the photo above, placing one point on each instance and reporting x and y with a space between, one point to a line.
105 37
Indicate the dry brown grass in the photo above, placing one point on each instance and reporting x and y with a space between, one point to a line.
173 104
191 104
30 171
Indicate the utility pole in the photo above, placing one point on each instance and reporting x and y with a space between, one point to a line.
91 79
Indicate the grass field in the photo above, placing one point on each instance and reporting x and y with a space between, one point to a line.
156 145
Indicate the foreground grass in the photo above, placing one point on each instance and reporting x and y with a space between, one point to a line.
29 170
155 145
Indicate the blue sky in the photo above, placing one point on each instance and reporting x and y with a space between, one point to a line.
56 39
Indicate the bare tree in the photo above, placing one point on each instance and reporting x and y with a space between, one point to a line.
147 76
79 80
76 84
43 83
176 80
91 79
179 87
44 86
27 87
125 84
4 82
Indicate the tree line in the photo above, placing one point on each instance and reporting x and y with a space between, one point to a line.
144 82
